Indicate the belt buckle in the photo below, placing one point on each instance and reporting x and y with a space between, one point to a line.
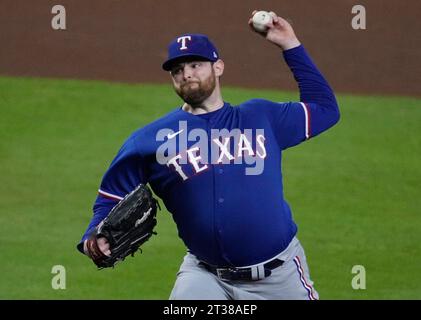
224 273
220 272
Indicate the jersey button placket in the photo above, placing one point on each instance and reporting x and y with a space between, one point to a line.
219 199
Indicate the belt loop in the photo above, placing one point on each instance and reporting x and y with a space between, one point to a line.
261 271
258 272
254 274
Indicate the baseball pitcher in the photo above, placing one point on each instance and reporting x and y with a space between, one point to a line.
217 169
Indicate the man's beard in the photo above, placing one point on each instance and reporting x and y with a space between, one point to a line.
199 93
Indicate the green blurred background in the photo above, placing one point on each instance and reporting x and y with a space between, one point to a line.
355 191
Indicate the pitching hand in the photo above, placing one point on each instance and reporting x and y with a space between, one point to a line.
102 244
279 32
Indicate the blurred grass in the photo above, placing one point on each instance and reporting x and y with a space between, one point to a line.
355 191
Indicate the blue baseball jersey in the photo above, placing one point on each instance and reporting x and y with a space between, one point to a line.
219 174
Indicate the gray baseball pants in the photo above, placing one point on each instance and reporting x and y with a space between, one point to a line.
290 281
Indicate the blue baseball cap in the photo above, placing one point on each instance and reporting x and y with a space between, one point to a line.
190 45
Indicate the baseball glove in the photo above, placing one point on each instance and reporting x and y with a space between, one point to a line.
128 225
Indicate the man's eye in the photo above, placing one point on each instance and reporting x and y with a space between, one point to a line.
196 65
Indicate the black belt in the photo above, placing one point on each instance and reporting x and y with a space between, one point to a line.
248 274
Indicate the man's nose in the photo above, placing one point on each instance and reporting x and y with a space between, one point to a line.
187 73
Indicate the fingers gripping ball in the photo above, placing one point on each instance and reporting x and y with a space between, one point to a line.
261 19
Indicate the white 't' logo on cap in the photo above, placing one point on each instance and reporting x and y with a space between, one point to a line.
183 42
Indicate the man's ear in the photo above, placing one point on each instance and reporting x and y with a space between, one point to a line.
218 67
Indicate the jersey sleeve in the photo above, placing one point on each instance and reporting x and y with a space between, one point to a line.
317 110
290 121
291 124
125 172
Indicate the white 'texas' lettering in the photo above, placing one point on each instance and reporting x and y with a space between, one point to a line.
231 147
224 149
177 167
195 160
260 139
244 145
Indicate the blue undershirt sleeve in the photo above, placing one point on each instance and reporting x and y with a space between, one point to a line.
317 100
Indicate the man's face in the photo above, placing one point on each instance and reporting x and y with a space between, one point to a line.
194 81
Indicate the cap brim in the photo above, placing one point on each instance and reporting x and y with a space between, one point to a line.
167 65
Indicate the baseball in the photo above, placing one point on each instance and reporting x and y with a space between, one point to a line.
260 19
